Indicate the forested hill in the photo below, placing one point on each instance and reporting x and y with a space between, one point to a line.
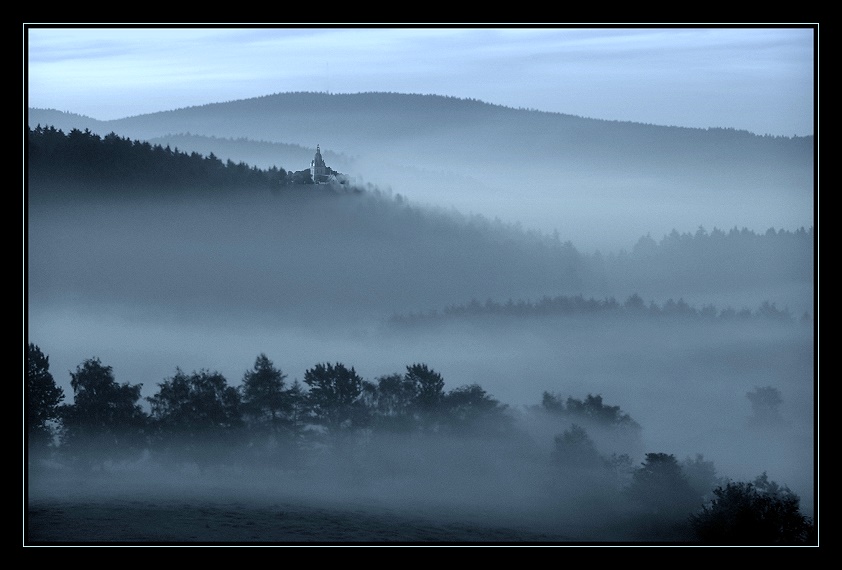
85 158
89 157
262 154
601 183
525 265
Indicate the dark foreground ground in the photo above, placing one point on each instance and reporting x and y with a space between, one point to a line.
84 508
145 522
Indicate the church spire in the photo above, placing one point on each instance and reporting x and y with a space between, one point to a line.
318 168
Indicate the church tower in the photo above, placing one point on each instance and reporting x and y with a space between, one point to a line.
318 169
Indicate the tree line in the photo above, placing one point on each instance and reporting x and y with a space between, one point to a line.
200 418
717 258
191 410
564 305
86 157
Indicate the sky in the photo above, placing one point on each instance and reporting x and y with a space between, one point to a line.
759 79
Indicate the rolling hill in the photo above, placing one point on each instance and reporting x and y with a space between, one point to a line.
601 184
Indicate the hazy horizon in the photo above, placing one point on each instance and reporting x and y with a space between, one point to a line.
751 78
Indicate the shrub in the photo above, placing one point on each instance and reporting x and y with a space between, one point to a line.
756 513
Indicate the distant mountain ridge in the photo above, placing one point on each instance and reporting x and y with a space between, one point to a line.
365 122
599 183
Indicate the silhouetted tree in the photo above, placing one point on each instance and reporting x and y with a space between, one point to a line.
759 513
196 414
701 475
591 410
661 488
301 177
335 397
470 409
43 399
765 404
105 419
393 402
266 402
297 398
429 395
635 303
575 449
84 156
429 386
552 403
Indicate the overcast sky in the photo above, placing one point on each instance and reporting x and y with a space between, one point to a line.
758 79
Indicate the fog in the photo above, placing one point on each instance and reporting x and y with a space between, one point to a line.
668 271
149 286
596 207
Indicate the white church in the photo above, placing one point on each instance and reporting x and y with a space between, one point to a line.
322 173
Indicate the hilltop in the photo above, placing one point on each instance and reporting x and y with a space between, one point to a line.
600 183
82 162
373 122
